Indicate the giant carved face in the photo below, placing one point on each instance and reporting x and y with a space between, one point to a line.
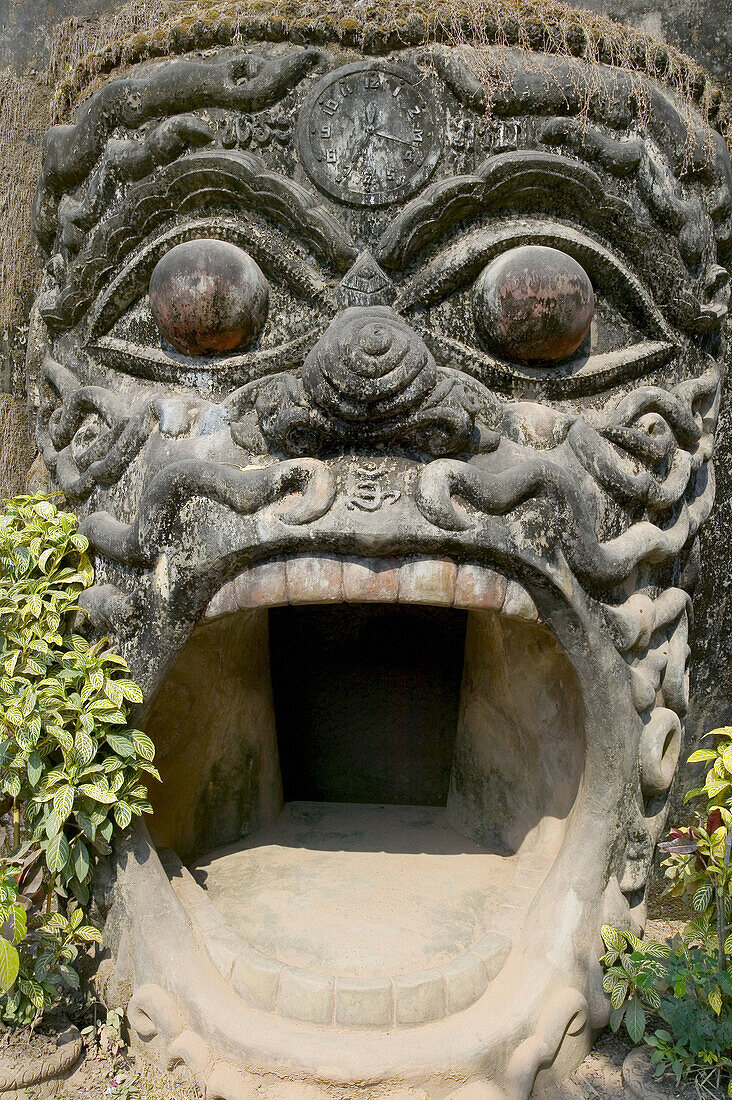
390 419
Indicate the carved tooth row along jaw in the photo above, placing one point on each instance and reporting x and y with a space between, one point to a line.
391 429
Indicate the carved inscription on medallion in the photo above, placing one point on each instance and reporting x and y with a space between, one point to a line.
369 493
369 135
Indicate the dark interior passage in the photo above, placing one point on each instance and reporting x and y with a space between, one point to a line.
366 701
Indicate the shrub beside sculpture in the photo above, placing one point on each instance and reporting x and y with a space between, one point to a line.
71 764
686 988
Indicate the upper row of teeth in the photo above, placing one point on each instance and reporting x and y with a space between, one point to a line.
322 578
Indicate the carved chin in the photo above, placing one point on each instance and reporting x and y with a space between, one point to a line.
420 763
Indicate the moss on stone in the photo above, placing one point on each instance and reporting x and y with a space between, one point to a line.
537 26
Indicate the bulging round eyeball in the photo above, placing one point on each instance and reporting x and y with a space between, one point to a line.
208 297
533 304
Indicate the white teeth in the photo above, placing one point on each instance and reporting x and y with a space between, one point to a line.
478 587
321 578
427 580
314 579
306 996
256 978
364 1002
518 604
370 581
420 997
263 586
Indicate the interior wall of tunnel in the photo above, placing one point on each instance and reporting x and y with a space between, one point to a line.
379 704
213 724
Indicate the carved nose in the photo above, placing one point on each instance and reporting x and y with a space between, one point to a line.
369 365
369 379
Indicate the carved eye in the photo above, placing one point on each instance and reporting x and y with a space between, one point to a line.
208 303
533 304
208 297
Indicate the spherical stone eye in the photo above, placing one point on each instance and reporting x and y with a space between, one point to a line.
533 304
208 297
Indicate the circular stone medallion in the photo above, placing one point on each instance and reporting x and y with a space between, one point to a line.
368 134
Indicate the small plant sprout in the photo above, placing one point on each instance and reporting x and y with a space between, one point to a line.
633 972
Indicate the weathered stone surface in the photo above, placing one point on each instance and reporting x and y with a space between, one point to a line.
534 304
364 1002
427 581
367 581
373 438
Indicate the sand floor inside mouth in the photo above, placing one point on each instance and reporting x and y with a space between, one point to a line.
358 889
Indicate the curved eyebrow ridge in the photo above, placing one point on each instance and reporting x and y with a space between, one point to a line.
527 182
231 180
72 150
463 260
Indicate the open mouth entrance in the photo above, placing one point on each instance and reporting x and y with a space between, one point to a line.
366 701
367 797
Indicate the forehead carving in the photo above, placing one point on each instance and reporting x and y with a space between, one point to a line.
338 321
673 177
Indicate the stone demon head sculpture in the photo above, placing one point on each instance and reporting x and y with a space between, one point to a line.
387 398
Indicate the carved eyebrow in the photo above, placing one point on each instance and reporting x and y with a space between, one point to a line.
71 151
268 247
124 161
509 180
463 260
620 157
658 186
234 181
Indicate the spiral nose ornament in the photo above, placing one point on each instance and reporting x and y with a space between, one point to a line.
369 365
375 340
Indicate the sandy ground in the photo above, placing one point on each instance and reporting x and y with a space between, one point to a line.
101 1073
100 1076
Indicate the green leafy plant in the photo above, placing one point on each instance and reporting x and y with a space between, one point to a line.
690 990
72 766
105 1035
634 970
46 964
697 1009
14 921
699 857
125 1087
